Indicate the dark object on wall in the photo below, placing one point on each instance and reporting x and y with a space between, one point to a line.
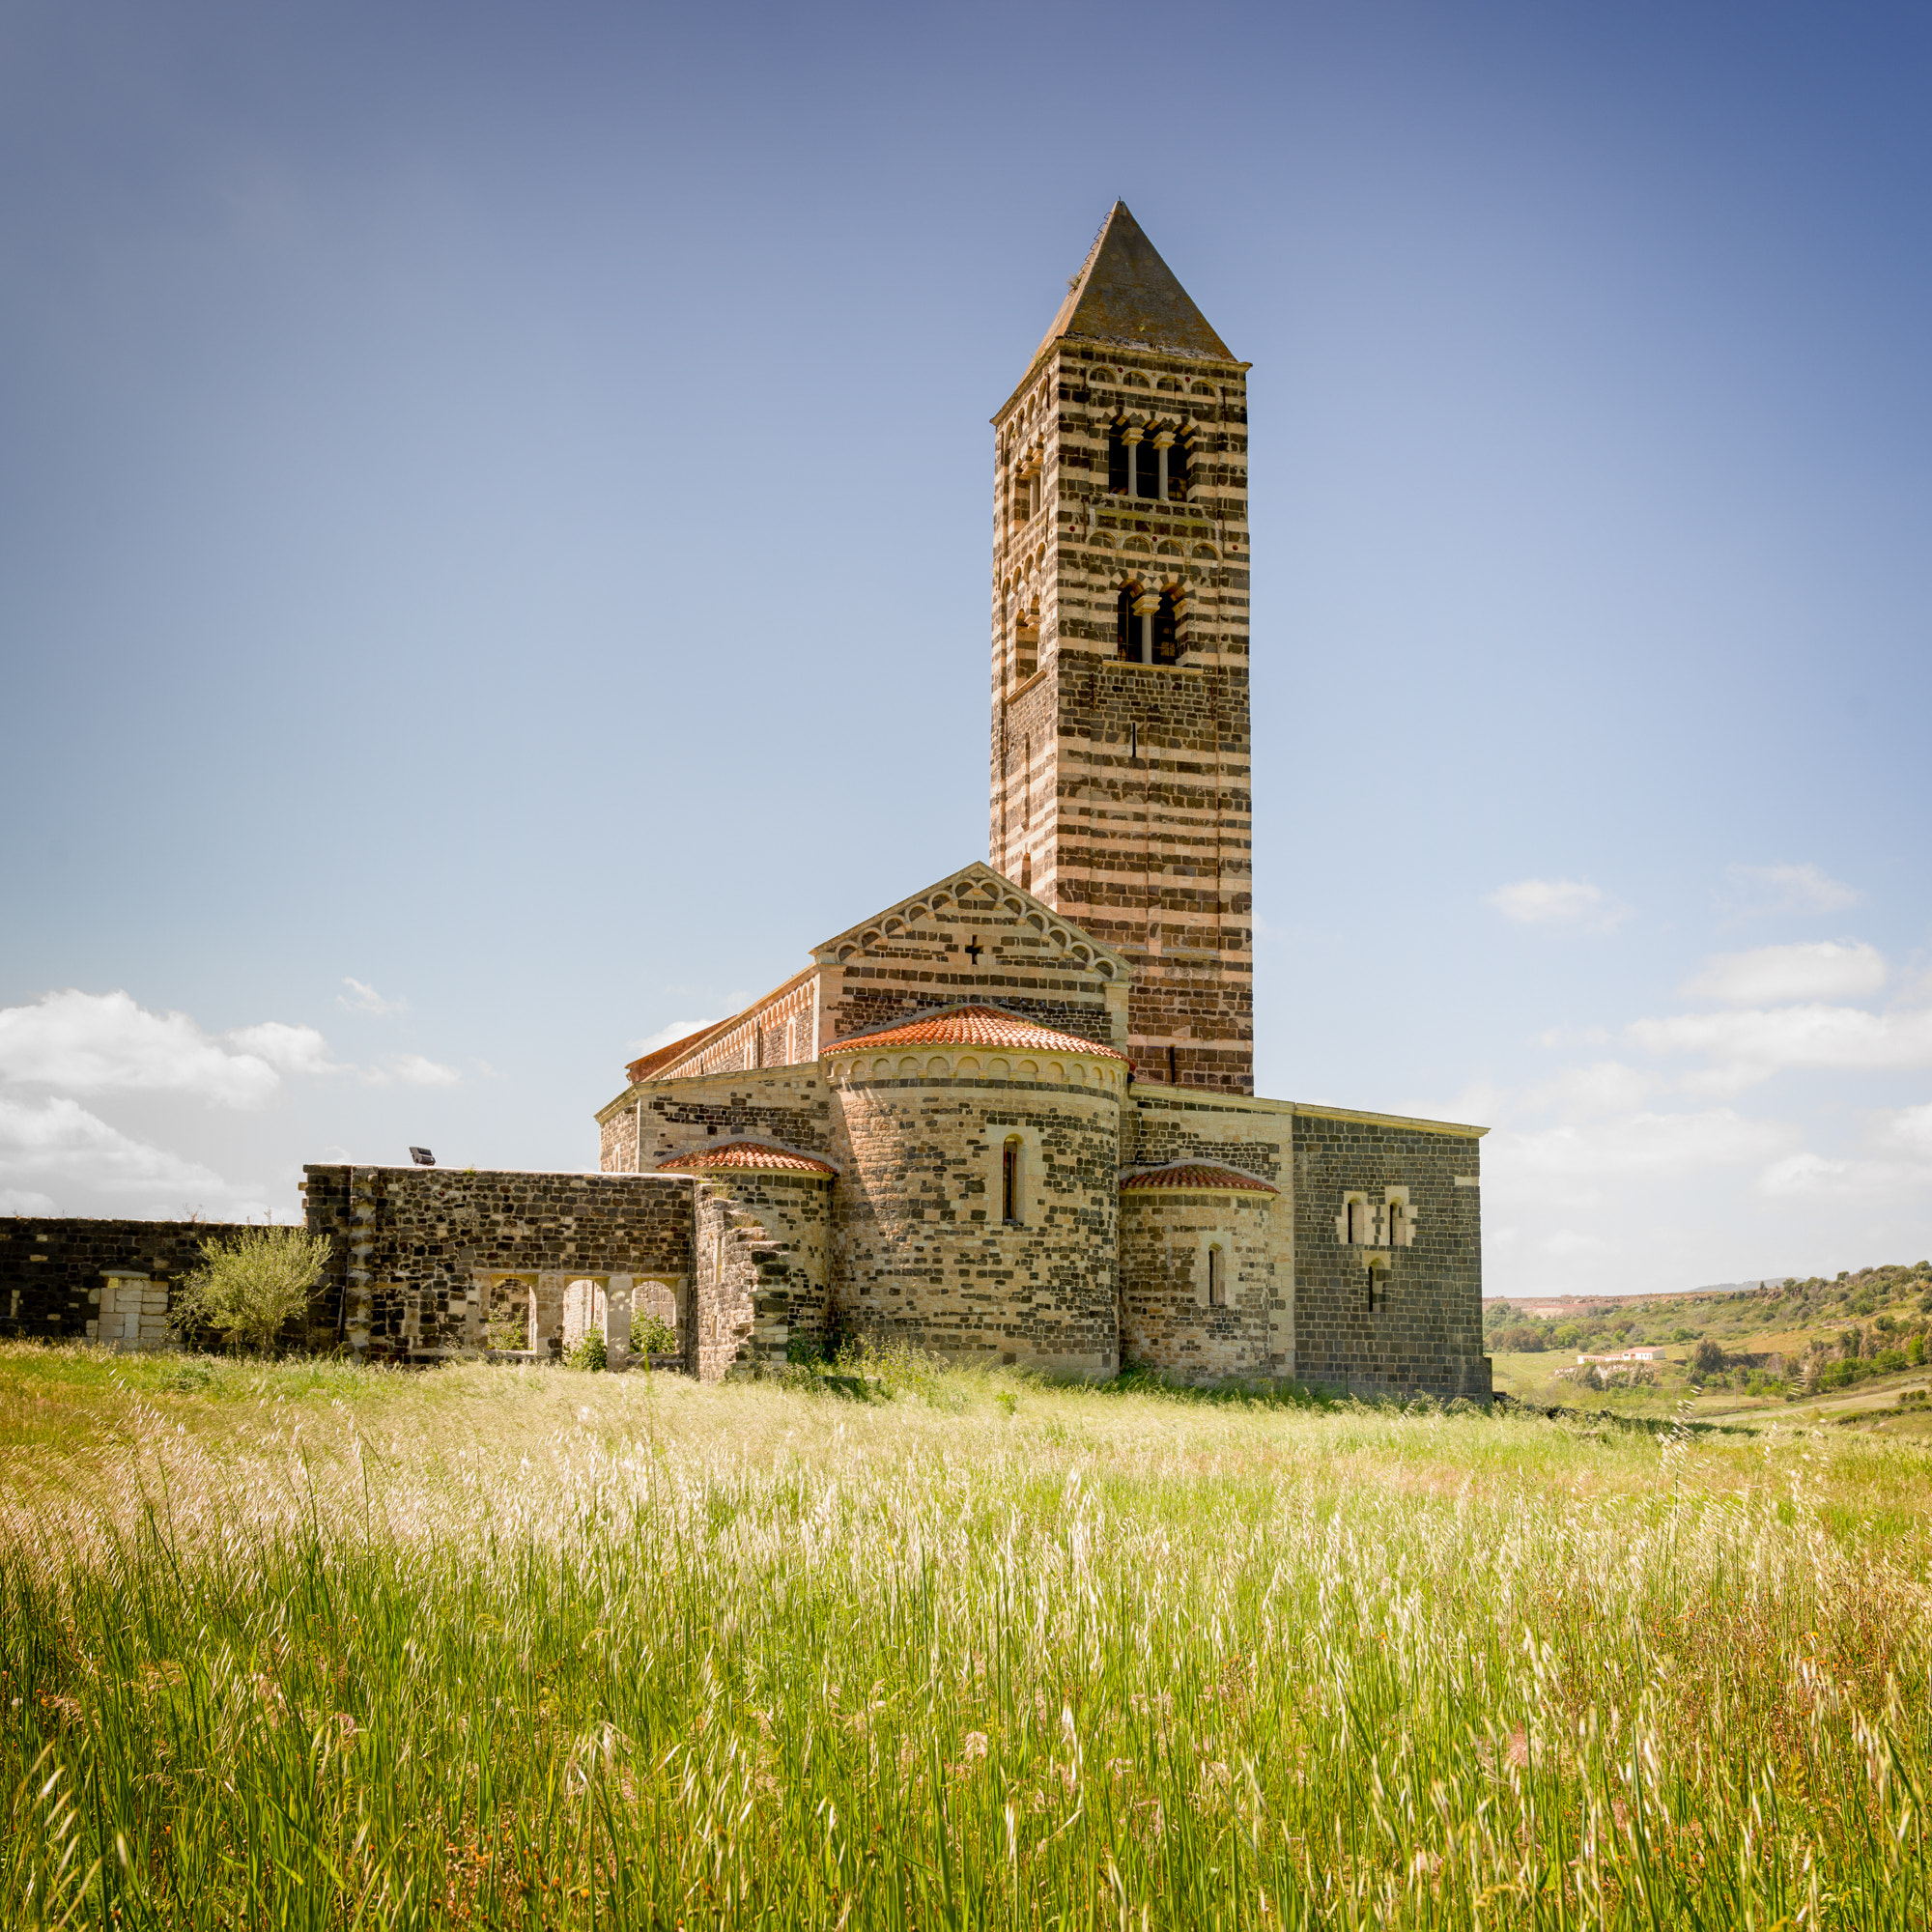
422 1157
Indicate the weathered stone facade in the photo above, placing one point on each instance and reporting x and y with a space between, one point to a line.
431 1259
1397 1302
1115 1195
1010 1119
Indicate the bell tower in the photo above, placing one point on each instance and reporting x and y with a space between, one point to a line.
1119 755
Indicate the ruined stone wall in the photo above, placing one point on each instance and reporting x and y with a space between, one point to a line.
67 1278
1415 1326
1168 1323
426 1251
921 1249
762 1270
1138 814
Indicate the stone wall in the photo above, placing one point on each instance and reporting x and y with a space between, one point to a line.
789 1105
429 1255
921 1249
1168 1322
1382 1315
65 1279
1254 1136
761 1269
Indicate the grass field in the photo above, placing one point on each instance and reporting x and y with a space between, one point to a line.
308 1645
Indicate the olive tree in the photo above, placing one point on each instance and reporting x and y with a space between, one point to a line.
250 1283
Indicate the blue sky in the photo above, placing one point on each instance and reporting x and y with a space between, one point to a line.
493 536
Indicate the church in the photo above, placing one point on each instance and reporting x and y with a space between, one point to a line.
1011 1117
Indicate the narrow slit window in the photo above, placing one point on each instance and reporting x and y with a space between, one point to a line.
1010 1183
1127 625
1358 1221
1217 1278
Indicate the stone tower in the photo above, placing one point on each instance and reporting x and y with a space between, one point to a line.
1119 754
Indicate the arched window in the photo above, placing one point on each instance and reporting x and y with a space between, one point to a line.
1026 639
1177 471
1397 1214
1127 626
1133 464
1009 1181
1166 630
1217 1277
1358 1221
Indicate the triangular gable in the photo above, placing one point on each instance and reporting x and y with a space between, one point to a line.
1125 294
975 898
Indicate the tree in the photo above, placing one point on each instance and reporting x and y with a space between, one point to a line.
250 1283
1708 1357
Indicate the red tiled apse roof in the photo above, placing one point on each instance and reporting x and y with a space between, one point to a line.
746 1153
977 1026
1199 1174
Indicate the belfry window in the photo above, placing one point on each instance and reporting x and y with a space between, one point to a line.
1174 457
1166 630
1147 626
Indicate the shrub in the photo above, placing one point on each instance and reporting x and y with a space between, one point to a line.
1889 1360
589 1354
1914 1351
653 1336
1707 1358
252 1284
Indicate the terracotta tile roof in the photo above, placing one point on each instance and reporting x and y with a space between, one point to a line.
746 1153
642 1069
1197 1175
976 1026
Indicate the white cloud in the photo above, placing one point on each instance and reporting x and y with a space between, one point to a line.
1790 889
368 1000
24 1201
1825 970
294 1049
412 1070
1639 1143
96 1042
1910 1127
1571 902
1812 1175
59 1141
664 1035
1753 1044
1604 1087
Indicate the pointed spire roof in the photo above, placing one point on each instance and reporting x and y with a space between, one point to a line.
1125 294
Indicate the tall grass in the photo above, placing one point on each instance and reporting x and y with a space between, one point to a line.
319 1647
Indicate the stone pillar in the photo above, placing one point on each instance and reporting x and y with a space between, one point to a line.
617 1320
1131 437
1162 443
357 1292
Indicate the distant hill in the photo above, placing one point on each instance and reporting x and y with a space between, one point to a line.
1781 1335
